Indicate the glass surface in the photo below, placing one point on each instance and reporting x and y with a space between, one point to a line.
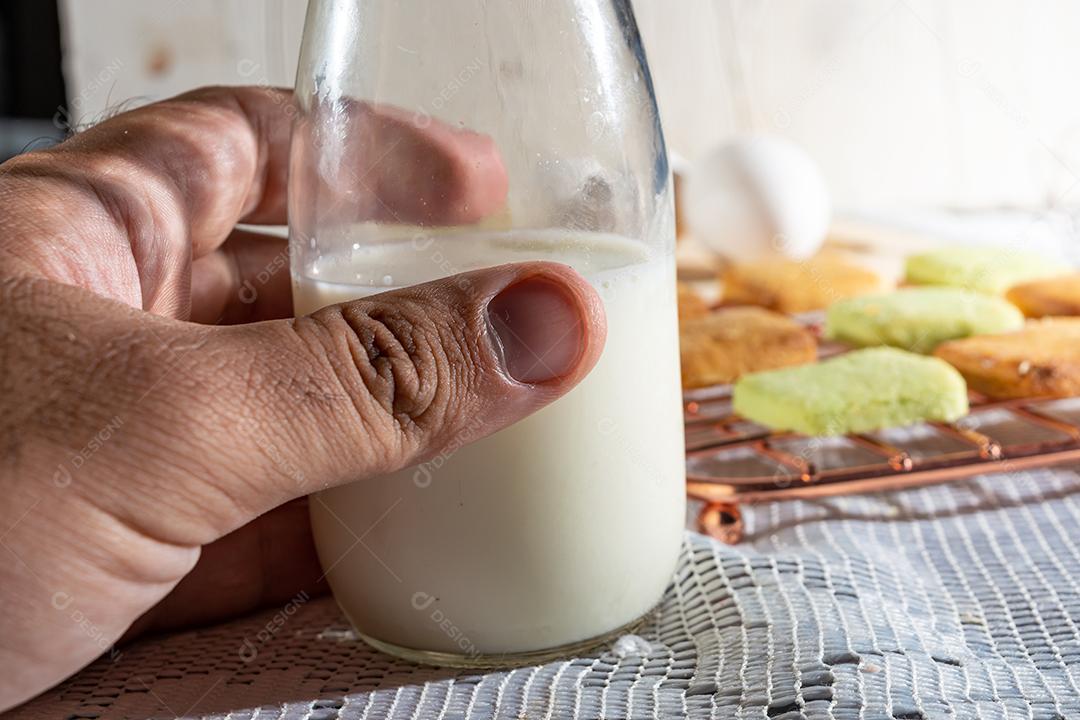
439 137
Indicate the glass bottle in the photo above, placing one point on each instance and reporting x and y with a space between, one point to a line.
439 137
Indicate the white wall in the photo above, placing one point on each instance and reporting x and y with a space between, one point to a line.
903 102
150 49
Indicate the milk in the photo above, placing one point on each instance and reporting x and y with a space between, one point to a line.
557 530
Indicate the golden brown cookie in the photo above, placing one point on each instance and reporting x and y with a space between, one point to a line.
1052 296
726 344
791 286
691 305
1042 360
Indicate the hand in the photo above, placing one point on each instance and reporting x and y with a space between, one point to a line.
149 461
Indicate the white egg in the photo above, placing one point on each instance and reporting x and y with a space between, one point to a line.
757 197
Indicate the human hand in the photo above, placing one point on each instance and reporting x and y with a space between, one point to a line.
151 460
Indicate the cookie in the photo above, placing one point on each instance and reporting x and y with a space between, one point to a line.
691 305
1053 296
919 319
721 347
989 270
1042 360
791 286
860 391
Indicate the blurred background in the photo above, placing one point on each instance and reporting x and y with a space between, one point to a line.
911 108
31 82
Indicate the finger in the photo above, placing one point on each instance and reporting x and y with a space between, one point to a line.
227 423
179 173
218 156
245 280
383 164
267 563
168 182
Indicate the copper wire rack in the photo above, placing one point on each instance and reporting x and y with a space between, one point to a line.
732 462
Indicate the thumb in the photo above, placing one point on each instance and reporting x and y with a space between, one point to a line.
255 415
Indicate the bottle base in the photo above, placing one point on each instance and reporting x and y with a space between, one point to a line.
479 661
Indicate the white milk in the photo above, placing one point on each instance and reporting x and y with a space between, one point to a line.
559 529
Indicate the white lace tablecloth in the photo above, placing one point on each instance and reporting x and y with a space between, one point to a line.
956 601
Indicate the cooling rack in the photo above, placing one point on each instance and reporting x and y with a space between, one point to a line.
732 462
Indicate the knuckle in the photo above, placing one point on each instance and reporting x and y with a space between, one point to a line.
395 355
410 368
220 162
216 140
107 187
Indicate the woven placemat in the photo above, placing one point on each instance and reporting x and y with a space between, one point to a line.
956 601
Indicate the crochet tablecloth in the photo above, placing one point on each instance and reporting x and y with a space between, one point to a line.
956 601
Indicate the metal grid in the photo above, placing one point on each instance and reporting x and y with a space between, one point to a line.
733 462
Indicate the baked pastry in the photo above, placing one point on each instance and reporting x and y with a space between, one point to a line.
989 270
691 305
726 344
1041 360
859 391
1052 296
791 286
919 318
